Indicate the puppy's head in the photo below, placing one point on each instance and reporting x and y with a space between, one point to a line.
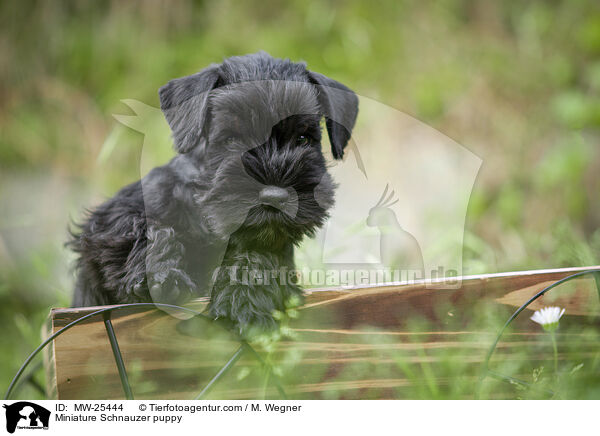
253 125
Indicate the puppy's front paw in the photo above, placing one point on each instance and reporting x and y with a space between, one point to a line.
249 290
172 286
252 308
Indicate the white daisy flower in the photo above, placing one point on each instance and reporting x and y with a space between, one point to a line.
548 317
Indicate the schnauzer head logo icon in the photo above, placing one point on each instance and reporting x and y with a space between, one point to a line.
26 415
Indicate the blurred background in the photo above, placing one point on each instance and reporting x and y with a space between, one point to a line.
517 83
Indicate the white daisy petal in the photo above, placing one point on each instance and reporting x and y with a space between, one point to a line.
548 316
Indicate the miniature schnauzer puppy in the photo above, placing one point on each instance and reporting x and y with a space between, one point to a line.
249 181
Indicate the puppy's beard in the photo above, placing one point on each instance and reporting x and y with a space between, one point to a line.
232 204
268 236
260 225
227 212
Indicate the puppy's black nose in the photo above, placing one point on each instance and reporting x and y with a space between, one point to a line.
273 196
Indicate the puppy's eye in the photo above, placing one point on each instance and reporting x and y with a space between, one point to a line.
302 141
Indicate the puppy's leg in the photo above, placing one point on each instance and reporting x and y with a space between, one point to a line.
249 287
111 244
168 282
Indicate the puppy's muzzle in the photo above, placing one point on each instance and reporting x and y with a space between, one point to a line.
273 196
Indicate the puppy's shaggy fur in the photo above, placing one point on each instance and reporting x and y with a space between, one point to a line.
248 183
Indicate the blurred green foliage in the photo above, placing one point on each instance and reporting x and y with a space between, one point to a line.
518 83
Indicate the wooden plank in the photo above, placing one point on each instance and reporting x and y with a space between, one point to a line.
347 343
49 362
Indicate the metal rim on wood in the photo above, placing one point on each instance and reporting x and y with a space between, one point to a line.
485 371
119 362
245 347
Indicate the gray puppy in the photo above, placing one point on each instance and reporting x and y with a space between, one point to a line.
248 183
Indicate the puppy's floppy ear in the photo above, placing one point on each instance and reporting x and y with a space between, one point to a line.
184 103
339 105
